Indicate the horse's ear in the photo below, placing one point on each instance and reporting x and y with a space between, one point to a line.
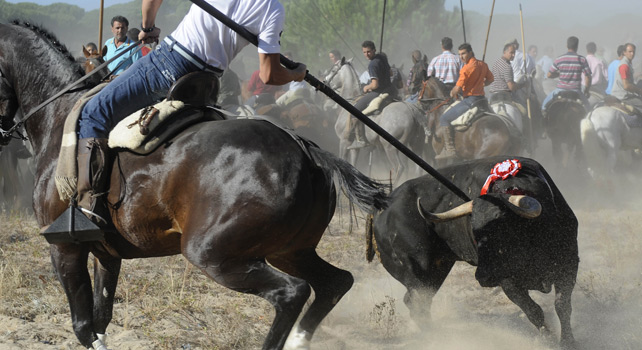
343 60
104 51
85 52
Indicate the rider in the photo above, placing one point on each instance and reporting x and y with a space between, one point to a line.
445 66
503 84
612 70
472 79
379 71
624 88
569 68
598 70
416 76
119 43
199 43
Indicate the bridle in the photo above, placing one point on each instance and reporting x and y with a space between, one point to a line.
8 134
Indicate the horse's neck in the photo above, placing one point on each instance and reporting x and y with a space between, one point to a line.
349 81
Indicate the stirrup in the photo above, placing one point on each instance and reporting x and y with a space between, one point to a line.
358 144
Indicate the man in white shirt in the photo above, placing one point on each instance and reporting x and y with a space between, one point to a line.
199 43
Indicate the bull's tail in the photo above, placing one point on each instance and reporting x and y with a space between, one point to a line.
362 191
593 152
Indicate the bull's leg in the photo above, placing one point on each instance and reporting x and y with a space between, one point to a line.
329 283
286 293
420 293
105 280
520 297
563 291
70 263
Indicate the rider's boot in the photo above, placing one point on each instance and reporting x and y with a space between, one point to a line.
360 137
448 152
94 167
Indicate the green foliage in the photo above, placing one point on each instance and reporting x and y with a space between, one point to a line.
312 28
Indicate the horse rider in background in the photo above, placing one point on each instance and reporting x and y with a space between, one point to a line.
598 69
473 76
612 69
416 76
120 42
445 66
379 71
503 85
624 87
524 70
569 68
180 53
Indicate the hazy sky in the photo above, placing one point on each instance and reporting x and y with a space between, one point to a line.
86 4
580 10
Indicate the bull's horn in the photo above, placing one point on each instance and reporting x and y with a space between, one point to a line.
525 206
452 214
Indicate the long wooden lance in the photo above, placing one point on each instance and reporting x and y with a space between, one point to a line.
383 20
528 81
490 20
463 23
320 86
100 27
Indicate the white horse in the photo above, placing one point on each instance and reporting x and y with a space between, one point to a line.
344 80
605 134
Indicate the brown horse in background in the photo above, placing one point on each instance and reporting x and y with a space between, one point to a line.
487 136
242 200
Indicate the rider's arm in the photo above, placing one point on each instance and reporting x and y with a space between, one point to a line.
374 83
149 9
511 85
626 83
273 73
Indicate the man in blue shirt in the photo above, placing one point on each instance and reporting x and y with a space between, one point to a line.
612 70
120 42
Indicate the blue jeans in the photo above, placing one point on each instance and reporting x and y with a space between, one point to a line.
146 82
557 90
459 109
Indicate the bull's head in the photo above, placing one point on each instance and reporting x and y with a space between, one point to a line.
502 226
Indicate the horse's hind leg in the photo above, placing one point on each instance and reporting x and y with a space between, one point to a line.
286 293
106 273
329 283
70 263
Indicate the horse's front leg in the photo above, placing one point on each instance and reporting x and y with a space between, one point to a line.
106 271
70 264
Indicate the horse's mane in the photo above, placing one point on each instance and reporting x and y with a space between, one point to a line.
51 40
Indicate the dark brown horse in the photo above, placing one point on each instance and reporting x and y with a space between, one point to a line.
563 117
487 136
240 199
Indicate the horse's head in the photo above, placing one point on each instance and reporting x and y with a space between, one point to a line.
8 108
93 59
334 71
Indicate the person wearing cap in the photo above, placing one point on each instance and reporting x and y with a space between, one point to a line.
472 79
199 43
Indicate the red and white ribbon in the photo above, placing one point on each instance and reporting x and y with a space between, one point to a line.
501 171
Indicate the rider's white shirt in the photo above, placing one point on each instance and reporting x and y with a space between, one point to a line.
216 44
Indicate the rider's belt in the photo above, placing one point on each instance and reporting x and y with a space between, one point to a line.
181 50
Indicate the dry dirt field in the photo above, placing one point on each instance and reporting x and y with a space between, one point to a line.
163 303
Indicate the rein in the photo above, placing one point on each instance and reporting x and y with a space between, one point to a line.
441 104
9 133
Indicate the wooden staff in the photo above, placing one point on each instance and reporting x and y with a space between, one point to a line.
100 27
528 95
463 23
383 19
490 20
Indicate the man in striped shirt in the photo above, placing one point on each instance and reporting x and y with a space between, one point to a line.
504 84
569 68
446 66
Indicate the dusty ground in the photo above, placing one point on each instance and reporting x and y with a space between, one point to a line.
165 304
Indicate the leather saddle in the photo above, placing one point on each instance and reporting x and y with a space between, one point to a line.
198 89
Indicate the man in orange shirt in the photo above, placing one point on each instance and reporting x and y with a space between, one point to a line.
472 79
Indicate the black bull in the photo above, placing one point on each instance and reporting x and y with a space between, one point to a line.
532 251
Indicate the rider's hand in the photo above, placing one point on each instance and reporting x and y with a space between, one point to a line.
299 72
151 37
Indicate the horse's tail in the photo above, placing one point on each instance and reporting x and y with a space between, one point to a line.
364 192
593 152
